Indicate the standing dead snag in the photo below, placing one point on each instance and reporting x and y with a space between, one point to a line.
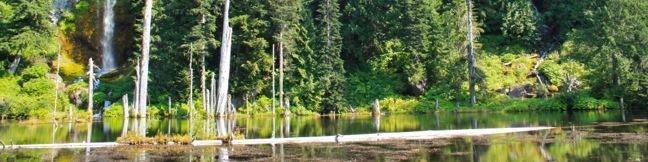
191 102
146 44
273 80
376 108
136 108
203 86
56 82
471 53
90 86
212 95
125 103
223 75
281 77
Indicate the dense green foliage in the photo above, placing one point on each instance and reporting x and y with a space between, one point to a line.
341 54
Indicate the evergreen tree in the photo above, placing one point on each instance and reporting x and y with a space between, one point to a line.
616 54
329 65
251 63
27 31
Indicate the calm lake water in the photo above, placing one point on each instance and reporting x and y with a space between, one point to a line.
557 145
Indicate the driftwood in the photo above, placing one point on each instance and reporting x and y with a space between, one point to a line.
417 135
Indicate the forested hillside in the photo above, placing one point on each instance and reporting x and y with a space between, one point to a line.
339 55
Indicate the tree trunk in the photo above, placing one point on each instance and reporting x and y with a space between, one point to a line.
376 108
273 79
191 101
146 43
212 95
223 78
616 77
471 54
14 65
281 76
169 108
90 86
125 103
56 81
136 109
203 87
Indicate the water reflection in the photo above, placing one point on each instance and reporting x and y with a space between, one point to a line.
556 145
108 130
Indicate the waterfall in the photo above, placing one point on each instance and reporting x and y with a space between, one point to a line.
58 6
108 58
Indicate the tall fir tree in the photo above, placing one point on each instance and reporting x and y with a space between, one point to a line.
329 65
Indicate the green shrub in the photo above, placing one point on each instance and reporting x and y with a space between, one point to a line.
39 86
398 105
262 104
583 101
35 71
115 110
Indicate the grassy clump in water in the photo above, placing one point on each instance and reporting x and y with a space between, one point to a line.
136 139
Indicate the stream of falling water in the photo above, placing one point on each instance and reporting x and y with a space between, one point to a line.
108 58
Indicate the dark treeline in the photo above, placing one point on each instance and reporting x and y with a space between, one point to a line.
342 54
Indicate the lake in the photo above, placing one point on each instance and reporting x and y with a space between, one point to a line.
584 136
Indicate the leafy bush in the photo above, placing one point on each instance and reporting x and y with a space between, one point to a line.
36 71
398 105
262 104
583 101
115 110
40 86
71 69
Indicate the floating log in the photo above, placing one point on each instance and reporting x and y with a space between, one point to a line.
417 135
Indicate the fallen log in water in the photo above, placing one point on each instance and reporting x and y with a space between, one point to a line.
65 145
417 135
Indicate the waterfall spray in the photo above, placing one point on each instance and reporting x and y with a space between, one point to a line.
108 59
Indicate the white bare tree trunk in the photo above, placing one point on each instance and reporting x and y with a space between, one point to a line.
146 43
471 54
281 77
212 96
125 103
90 86
191 102
203 87
56 81
137 90
223 78
273 81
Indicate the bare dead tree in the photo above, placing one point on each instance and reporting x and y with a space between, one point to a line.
223 78
146 44
90 86
471 53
